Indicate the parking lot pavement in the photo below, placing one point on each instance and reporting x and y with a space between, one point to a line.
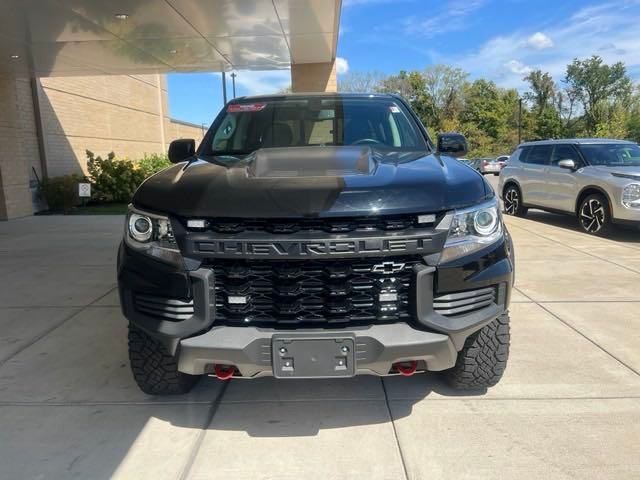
568 406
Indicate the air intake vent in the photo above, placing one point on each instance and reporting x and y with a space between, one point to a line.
328 225
169 308
464 302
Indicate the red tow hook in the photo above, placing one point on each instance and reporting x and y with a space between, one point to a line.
224 372
406 369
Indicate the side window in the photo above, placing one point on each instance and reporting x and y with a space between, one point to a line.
539 155
524 153
517 156
565 152
224 134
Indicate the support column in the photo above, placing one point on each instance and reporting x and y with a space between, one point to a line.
18 147
314 77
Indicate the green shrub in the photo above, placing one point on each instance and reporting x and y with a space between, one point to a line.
153 163
114 180
61 193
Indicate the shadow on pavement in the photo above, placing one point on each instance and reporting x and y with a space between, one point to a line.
568 222
291 408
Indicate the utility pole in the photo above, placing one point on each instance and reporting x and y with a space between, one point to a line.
233 82
519 121
224 87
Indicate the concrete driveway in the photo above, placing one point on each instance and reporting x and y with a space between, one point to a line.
568 407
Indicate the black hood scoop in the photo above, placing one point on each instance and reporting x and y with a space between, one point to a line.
295 162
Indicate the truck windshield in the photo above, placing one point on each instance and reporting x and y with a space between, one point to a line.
382 123
612 154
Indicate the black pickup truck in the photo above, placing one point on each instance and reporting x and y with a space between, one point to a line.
316 236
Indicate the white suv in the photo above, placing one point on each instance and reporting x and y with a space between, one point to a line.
598 180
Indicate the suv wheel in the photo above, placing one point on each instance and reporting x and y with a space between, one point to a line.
483 359
593 215
513 202
154 369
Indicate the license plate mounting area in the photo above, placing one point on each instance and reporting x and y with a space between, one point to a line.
314 356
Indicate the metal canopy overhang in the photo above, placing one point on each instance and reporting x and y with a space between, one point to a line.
98 37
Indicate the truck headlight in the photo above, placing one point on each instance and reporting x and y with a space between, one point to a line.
471 229
631 195
152 235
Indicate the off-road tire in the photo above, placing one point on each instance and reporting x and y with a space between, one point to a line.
483 359
512 200
154 369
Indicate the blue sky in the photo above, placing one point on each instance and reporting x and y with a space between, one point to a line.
500 40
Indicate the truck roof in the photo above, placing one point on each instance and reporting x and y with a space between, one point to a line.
281 96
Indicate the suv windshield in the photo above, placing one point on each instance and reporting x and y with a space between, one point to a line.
381 123
612 154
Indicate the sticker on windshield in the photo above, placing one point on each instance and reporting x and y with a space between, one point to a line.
245 107
394 109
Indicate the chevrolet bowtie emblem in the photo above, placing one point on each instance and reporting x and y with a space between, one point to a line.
388 267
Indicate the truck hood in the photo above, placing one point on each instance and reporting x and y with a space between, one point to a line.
313 182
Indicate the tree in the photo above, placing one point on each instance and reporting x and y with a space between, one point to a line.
543 90
595 83
615 124
444 84
483 107
360 82
490 118
411 86
633 122
548 123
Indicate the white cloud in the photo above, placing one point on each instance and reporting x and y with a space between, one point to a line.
518 67
262 82
539 41
450 17
342 66
608 30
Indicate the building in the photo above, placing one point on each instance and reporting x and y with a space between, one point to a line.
90 74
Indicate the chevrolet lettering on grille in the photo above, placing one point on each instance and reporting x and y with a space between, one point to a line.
315 248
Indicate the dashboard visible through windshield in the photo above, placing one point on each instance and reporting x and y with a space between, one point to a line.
381 123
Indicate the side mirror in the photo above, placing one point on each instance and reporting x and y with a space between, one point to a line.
180 150
453 144
568 164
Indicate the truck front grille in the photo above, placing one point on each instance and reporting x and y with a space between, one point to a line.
320 294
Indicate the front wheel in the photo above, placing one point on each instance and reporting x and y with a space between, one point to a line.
513 202
594 215
483 359
154 369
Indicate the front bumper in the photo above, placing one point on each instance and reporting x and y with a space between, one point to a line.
433 339
378 348
626 216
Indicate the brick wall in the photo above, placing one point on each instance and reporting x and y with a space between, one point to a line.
175 129
18 147
124 114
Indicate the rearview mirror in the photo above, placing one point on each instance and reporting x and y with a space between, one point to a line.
180 150
453 144
568 164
